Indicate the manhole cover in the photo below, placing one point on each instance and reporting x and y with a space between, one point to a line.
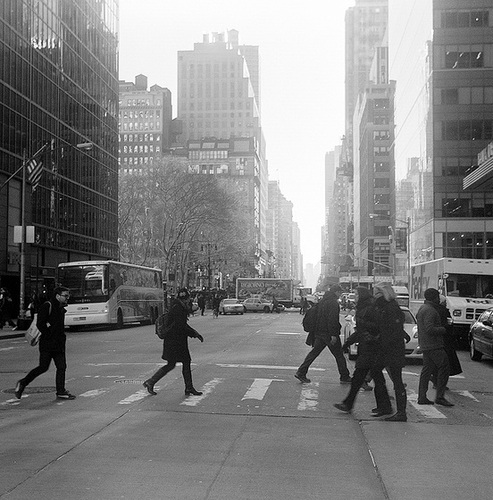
32 390
126 381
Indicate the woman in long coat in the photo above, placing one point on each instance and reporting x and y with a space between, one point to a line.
392 353
175 345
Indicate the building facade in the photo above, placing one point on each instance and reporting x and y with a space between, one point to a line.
443 53
58 86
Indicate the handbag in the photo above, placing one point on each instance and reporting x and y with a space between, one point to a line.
32 334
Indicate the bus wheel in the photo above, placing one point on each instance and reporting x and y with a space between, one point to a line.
119 319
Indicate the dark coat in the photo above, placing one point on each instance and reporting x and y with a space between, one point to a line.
390 319
449 340
52 326
430 329
328 324
175 345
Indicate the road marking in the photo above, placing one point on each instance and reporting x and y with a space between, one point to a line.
93 393
134 397
308 398
428 411
206 390
258 388
288 333
8 348
467 394
269 367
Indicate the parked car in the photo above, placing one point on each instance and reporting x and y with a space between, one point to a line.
481 336
412 347
231 306
257 304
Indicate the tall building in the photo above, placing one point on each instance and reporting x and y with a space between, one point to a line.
219 98
442 59
145 122
366 24
58 86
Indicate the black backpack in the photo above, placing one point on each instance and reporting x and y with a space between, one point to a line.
162 326
310 319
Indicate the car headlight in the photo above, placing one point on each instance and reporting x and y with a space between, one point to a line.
456 312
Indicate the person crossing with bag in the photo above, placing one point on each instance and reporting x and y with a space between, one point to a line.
175 345
51 324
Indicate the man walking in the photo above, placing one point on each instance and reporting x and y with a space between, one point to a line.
327 331
435 359
51 324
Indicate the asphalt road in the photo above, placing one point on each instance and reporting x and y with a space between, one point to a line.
255 433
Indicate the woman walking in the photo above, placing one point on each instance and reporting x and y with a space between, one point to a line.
367 334
175 345
390 319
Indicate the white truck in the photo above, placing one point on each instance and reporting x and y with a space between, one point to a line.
466 284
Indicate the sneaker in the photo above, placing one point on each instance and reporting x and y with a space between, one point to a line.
302 378
346 380
64 395
19 389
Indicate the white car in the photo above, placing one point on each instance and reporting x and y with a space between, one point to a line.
255 304
412 348
231 306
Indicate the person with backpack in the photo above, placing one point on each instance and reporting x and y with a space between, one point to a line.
327 329
51 324
175 344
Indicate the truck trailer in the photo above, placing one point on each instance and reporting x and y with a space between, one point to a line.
467 285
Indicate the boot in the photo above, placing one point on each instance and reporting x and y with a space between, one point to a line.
192 392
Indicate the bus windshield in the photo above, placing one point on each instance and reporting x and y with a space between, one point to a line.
469 285
88 283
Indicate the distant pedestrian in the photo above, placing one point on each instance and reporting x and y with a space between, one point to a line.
327 334
368 337
430 335
175 345
391 356
304 305
51 324
6 306
201 303
216 300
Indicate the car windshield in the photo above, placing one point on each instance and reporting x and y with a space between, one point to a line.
230 301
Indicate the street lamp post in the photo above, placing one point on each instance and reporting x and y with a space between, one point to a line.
22 321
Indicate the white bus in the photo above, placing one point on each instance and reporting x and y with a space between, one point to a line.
111 293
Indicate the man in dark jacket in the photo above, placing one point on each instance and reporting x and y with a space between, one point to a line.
51 324
435 359
327 334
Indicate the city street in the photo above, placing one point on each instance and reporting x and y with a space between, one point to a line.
255 433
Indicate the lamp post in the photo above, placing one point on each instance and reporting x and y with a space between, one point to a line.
22 321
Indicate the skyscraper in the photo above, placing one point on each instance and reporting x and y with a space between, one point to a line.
58 86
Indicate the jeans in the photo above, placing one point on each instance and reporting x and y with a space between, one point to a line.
434 361
45 358
335 349
186 372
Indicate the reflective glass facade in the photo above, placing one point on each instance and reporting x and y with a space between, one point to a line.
59 85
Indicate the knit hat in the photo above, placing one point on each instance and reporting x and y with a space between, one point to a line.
432 295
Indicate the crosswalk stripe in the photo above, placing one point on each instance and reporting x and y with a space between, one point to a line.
93 393
206 389
427 410
269 367
467 394
308 398
137 396
258 388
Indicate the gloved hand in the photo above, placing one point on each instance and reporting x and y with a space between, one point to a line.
200 337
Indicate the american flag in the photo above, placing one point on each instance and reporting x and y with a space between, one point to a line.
34 172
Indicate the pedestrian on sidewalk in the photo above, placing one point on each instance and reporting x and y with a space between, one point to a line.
175 345
201 303
367 335
435 359
327 334
6 309
51 324
392 353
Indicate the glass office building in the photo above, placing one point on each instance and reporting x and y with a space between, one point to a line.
58 86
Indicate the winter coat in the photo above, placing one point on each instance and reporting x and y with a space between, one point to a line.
430 329
366 332
51 324
175 345
390 320
328 324
449 341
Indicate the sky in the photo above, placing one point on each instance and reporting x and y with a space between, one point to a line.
301 45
